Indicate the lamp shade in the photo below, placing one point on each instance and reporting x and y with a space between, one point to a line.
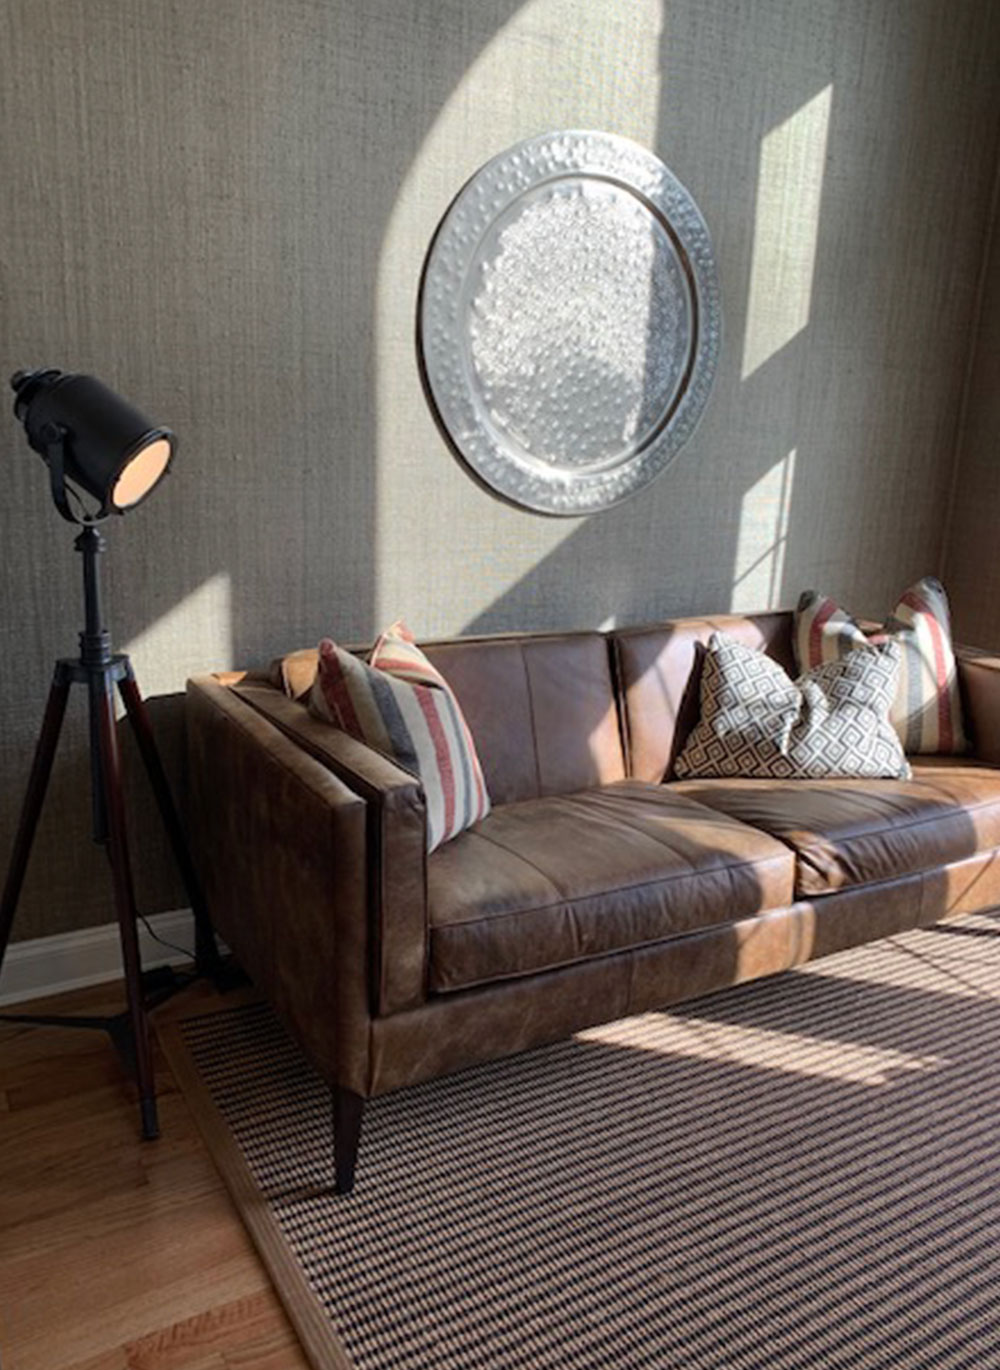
108 448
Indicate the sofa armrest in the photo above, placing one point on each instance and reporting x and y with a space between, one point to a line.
979 681
396 841
280 844
291 854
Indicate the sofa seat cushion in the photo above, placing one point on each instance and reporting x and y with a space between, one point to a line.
854 832
547 882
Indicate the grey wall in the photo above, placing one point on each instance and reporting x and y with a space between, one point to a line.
971 566
222 211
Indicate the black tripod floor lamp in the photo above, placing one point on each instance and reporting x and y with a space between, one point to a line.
97 445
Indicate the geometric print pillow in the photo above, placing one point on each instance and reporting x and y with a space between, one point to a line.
401 705
927 710
757 722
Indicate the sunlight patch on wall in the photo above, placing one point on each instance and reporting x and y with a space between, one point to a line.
762 539
786 230
555 64
195 636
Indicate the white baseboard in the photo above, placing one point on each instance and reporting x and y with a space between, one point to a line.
71 960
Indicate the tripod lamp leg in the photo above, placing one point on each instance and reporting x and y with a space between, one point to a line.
102 701
41 769
206 951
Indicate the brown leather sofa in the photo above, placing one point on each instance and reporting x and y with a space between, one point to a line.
596 888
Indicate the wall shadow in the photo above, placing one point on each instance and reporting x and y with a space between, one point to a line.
204 210
190 182
834 393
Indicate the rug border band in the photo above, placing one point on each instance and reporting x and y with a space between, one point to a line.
305 1312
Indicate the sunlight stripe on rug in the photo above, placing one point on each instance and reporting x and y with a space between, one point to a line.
704 1189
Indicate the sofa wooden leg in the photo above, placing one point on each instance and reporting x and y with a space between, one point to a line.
348 1110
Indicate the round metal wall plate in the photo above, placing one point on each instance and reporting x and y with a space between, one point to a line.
569 321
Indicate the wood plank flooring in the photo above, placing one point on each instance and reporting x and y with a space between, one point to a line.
118 1254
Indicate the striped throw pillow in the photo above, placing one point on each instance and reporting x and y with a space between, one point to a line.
401 705
927 710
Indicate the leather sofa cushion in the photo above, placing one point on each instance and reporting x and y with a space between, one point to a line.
659 674
540 707
853 832
553 881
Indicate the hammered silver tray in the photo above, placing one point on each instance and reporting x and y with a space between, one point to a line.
569 321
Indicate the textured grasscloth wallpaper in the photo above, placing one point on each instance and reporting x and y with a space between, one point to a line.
972 560
221 209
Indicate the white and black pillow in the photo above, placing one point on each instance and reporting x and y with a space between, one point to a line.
757 722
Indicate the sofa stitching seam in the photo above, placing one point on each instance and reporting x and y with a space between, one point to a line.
531 717
561 898
954 812
619 889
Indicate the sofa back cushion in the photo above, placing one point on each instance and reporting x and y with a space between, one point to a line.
659 674
540 707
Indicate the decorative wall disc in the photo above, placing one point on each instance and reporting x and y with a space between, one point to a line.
569 321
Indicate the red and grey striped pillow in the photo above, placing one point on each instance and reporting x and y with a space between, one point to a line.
400 704
927 711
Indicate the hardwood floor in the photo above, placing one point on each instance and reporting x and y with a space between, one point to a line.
118 1254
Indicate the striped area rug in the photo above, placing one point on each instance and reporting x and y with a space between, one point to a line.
802 1172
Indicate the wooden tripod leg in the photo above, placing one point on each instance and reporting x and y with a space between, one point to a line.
102 703
207 953
348 1110
41 769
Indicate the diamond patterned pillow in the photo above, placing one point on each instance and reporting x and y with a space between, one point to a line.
927 710
757 722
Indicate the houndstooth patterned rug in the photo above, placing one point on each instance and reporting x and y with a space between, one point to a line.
802 1172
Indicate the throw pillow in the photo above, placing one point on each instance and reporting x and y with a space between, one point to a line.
400 704
757 722
927 710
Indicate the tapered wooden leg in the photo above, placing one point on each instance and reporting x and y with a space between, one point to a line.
41 769
348 1110
102 705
